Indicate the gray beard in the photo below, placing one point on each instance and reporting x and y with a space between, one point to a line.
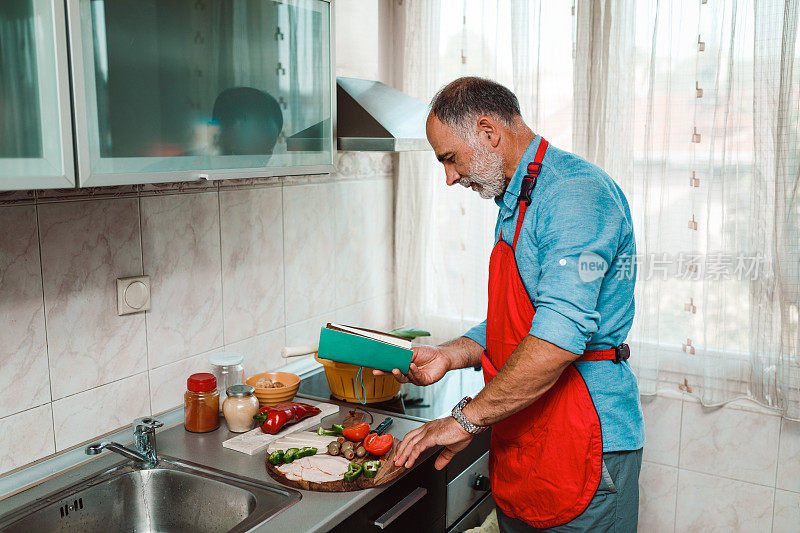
485 172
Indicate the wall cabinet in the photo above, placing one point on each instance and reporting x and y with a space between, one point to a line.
35 122
175 90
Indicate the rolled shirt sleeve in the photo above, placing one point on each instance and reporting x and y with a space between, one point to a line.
577 234
478 334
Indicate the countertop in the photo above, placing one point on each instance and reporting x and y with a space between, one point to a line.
316 511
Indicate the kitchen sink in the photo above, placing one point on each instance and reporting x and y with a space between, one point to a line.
174 496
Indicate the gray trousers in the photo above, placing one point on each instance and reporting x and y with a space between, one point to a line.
614 507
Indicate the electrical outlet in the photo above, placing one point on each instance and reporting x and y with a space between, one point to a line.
133 295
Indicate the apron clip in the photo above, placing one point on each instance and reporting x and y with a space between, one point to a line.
525 190
621 353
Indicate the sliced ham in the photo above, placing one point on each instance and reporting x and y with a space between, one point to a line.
317 468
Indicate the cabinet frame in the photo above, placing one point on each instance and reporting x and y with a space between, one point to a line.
80 90
66 177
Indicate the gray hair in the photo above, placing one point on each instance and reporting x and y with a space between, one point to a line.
465 99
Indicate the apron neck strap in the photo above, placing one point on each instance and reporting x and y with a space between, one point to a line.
528 183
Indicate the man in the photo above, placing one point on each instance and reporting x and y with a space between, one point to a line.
563 404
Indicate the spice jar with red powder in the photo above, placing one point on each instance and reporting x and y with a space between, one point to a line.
201 403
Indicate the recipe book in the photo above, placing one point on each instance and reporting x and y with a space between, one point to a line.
364 347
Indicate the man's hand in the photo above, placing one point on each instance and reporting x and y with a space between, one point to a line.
443 431
429 364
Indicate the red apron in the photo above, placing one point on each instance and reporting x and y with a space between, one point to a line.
545 461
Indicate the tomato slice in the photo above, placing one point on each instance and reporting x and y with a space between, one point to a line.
356 432
378 444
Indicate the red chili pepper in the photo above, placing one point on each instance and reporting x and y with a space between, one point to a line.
378 444
356 432
272 419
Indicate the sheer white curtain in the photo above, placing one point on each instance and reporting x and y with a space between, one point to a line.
444 235
694 108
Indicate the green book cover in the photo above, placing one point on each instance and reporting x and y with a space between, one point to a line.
355 349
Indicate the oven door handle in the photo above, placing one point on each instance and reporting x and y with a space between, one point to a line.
400 507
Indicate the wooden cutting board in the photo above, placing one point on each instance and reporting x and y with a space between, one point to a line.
386 473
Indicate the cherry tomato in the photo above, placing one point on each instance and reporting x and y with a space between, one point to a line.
356 432
378 444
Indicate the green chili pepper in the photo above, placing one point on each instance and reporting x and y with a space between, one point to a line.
290 455
305 452
338 429
353 471
276 457
327 432
371 468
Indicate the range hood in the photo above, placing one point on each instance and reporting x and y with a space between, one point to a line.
372 117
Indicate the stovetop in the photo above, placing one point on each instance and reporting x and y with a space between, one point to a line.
428 403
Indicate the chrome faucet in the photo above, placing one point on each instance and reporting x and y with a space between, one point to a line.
144 438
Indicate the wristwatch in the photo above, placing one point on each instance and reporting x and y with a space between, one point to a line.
468 426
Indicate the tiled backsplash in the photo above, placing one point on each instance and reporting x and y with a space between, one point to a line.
245 265
733 469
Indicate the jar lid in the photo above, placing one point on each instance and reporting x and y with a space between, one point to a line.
226 359
240 391
201 382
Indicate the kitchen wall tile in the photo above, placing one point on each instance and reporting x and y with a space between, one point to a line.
252 261
370 164
364 244
309 179
375 313
307 331
346 165
658 490
86 193
721 442
17 197
250 183
181 252
86 245
168 382
789 457
24 375
262 353
309 248
26 437
177 187
384 192
355 242
662 419
786 517
94 412
712 503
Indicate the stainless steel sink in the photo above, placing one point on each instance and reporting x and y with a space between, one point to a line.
174 496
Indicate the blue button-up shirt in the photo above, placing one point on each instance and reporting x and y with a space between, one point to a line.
575 257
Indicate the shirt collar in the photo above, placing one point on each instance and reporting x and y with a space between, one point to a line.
509 198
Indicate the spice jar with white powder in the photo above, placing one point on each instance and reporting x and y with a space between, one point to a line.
239 408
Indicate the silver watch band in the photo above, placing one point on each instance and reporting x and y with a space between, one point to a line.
459 417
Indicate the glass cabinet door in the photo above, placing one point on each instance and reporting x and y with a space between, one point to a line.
169 90
35 124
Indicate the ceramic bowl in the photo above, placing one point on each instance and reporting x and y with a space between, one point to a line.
274 396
